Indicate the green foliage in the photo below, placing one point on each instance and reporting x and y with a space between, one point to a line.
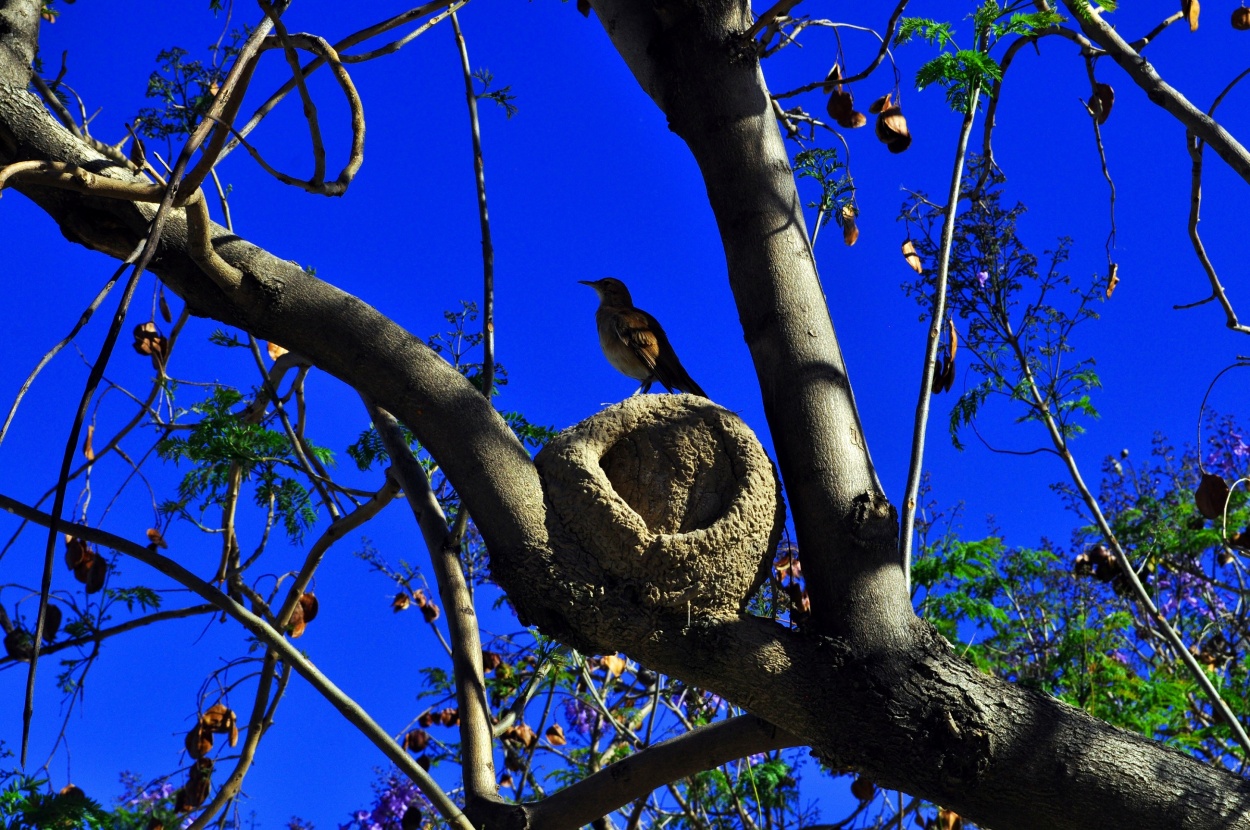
836 188
930 31
25 805
222 441
145 598
959 74
530 434
503 96
963 71
185 88
1020 317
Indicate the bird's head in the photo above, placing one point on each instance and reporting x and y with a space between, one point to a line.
611 291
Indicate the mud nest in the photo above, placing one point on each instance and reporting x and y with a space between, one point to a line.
662 505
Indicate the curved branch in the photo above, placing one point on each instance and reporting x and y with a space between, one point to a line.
637 775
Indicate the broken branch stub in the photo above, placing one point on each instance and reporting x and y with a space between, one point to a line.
660 507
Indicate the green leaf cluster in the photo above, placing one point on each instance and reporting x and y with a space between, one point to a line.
222 440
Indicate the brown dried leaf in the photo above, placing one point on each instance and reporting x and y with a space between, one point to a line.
82 571
155 539
88 451
491 660
75 551
1113 279
199 741
841 104
521 734
297 624
614 664
430 612
51 623
449 717
892 127
309 603
401 602
853 120
416 740
1211 496
913 258
196 791
412 817
96 573
949 820
164 305
1105 96
234 734
418 596
275 351
882 103
217 718
17 645
1190 10
850 229
833 81
555 735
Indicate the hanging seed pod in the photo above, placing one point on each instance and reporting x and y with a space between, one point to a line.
833 81
892 129
1105 96
850 230
1241 18
853 121
1190 9
841 104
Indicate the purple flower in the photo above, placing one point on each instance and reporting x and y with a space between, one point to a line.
581 717
395 796
982 278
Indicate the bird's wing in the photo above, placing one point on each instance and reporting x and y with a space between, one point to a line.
670 372
637 331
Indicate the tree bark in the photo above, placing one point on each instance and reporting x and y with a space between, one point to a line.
870 686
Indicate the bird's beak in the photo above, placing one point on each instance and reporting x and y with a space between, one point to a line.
587 282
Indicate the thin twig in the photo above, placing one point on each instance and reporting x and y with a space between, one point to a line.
51 353
908 519
348 708
58 501
488 247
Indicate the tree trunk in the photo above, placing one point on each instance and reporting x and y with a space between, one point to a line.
869 685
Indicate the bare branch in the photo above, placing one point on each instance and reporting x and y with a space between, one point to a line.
347 707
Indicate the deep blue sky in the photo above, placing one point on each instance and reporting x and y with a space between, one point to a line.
586 181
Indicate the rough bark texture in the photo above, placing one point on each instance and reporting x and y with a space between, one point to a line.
870 687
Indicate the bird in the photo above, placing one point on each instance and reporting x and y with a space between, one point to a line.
634 343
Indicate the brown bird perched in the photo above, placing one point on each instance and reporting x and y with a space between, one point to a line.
634 343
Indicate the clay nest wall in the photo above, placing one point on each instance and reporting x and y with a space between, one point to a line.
660 508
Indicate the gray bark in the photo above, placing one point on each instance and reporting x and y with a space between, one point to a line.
872 688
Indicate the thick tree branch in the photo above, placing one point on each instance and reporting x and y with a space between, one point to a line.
707 80
1157 90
